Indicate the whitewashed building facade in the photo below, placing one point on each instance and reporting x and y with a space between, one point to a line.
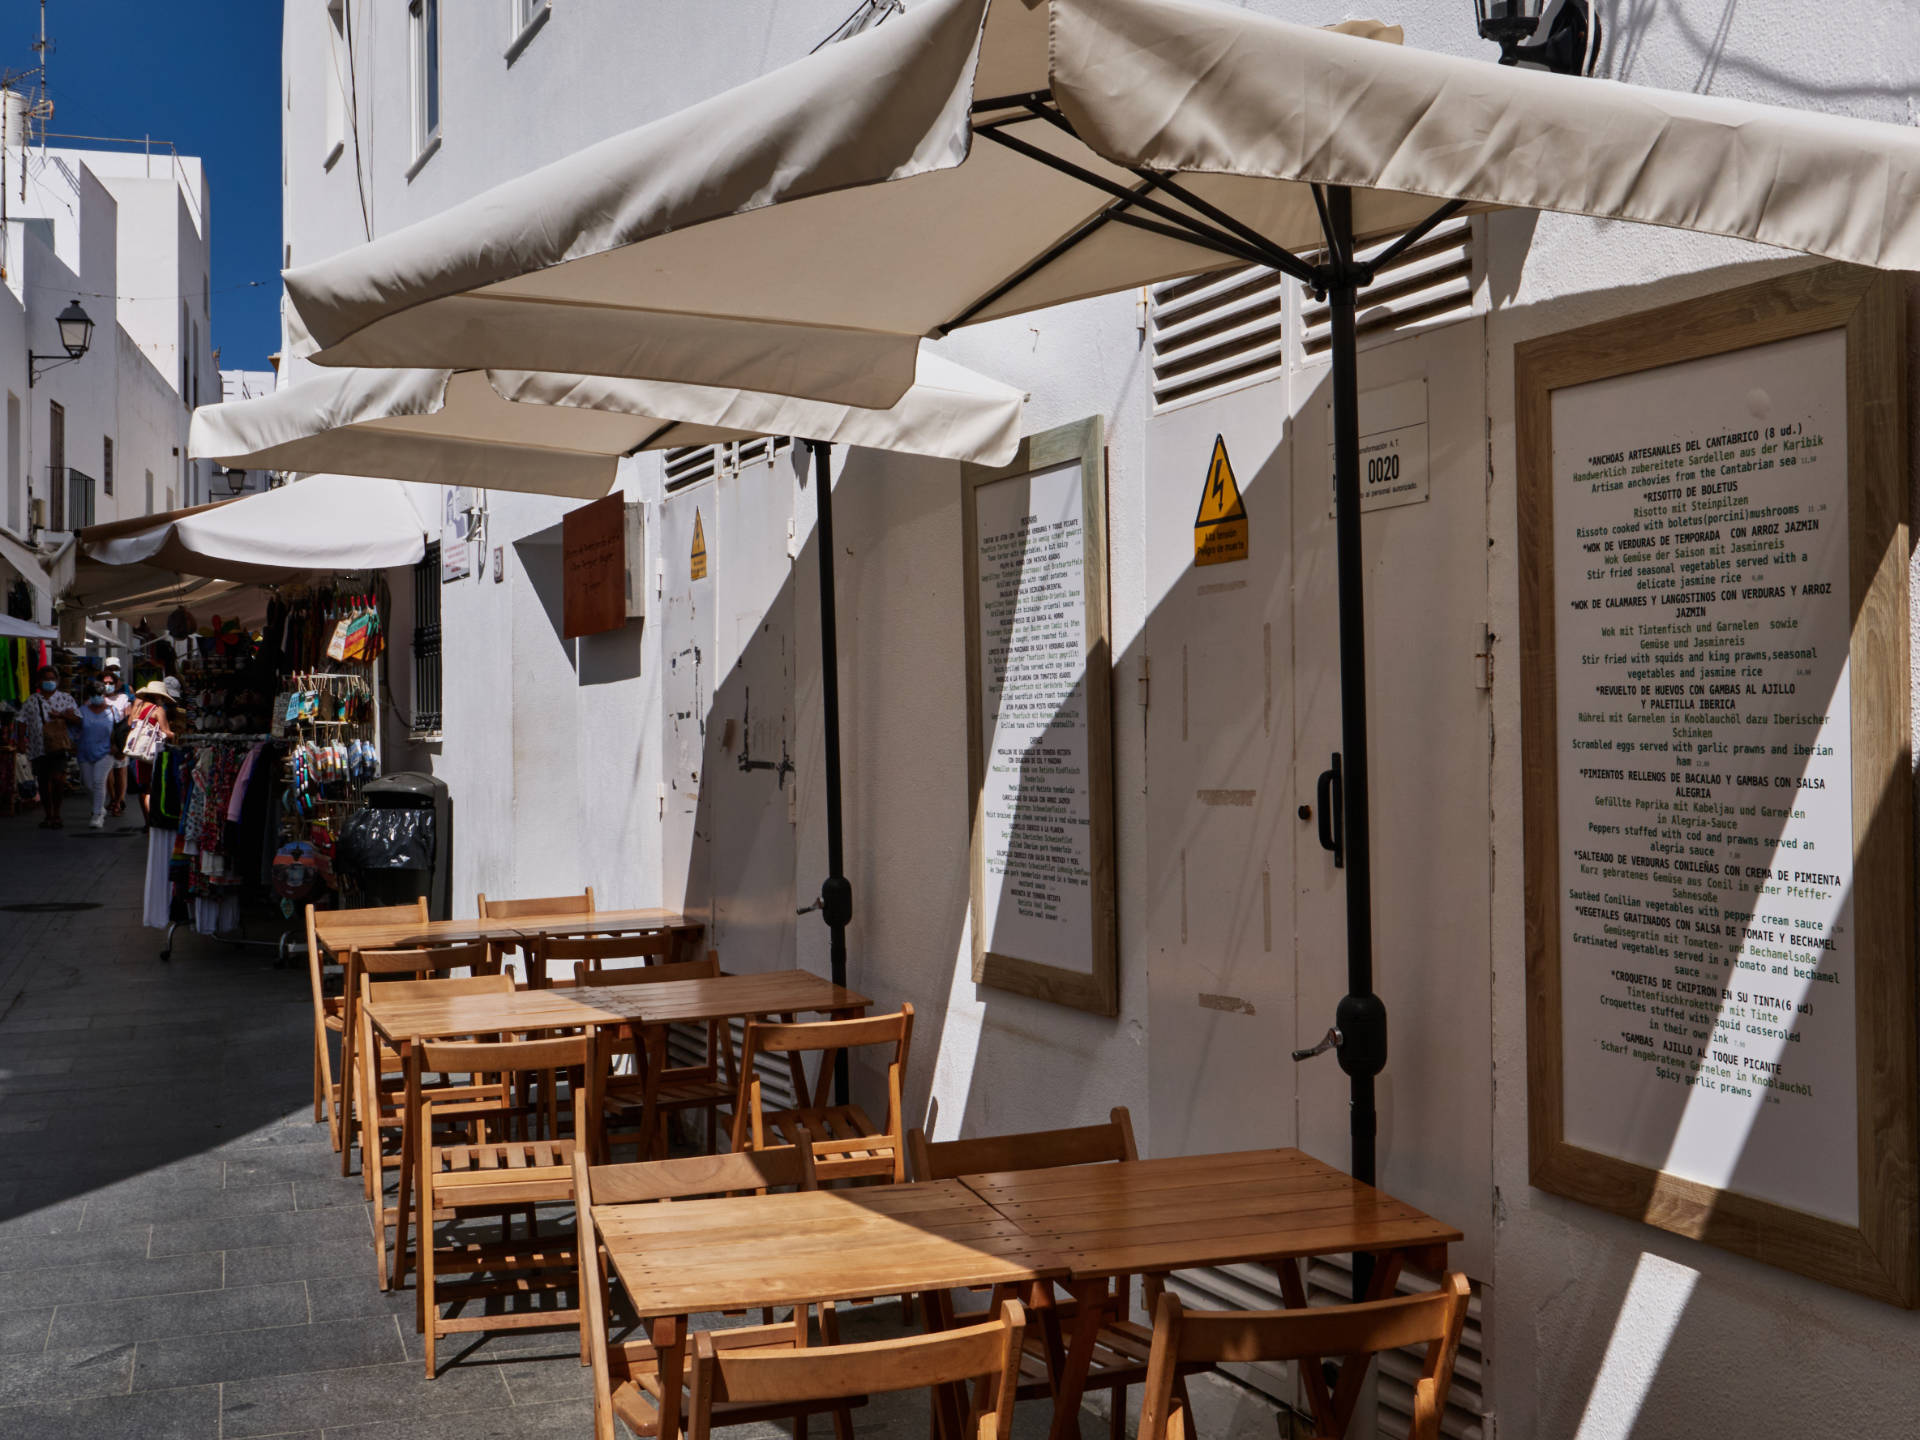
615 761
103 437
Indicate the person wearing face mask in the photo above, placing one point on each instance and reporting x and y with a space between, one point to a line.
51 718
95 743
120 703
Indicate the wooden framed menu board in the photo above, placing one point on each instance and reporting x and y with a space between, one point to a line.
1715 726
1040 721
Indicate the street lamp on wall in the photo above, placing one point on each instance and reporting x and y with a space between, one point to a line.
236 481
1511 24
76 334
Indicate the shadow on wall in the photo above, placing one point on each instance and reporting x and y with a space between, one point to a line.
602 659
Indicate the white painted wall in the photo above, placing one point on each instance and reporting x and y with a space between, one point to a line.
1599 1327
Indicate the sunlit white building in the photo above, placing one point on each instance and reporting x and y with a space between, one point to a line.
615 761
124 236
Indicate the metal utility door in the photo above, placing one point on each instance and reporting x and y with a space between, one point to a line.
750 784
1430 752
687 537
1221 832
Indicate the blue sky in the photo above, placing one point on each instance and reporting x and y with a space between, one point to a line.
206 77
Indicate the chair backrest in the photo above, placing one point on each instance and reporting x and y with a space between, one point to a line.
988 1352
581 904
594 951
1032 1150
705 969
424 961
378 915
501 1059
701 1177
436 989
1183 1337
505 1057
826 1038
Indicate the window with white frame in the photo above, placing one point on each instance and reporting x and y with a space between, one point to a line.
336 84
526 14
423 24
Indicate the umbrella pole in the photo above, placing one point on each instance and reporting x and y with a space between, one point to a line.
1361 1017
836 895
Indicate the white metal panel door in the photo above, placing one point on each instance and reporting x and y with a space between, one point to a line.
1221 830
1429 723
750 784
687 682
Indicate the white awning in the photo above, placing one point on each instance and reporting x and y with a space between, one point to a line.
801 233
321 524
565 434
34 568
26 629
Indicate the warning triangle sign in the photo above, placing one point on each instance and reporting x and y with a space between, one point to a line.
697 562
1220 524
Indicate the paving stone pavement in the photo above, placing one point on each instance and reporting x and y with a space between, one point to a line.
180 1258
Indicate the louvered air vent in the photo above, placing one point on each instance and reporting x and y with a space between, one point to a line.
1215 332
692 464
1429 285
1330 1282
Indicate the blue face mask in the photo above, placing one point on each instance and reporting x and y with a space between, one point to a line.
49 686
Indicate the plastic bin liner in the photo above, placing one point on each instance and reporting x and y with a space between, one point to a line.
381 839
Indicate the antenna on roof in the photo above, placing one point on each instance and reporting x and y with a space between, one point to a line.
42 105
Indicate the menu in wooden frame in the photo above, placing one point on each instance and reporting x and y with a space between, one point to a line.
1715 733
1040 721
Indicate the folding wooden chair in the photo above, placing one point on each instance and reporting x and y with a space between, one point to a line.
846 1143
626 1374
1194 1337
542 906
382 1097
329 1011
988 1354
1121 1349
669 1090
498 1176
572 954
381 966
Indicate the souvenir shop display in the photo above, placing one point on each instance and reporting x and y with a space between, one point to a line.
280 732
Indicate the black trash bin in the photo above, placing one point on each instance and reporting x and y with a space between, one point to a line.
399 847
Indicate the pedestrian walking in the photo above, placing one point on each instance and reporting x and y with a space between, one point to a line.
121 704
52 718
95 750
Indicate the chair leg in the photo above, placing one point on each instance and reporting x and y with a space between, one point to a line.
317 1113
430 1307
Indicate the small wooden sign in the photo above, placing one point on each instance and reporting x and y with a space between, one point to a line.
593 541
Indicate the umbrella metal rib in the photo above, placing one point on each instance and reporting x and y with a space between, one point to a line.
1361 1018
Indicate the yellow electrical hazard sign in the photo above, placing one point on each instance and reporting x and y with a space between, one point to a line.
1220 524
698 560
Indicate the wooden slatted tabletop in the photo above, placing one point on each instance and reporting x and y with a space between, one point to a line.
787 1249
1193 1210
776 992
412 934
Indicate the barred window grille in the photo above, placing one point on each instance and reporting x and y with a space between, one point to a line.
426 643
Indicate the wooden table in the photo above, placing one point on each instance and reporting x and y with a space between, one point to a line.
697 1256
1152 1216
515 932
646 1009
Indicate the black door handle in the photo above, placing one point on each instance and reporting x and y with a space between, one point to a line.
1331 797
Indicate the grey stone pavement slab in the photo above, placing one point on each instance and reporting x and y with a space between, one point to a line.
180 1257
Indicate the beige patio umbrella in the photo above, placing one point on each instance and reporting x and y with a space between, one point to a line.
565 434
978 158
